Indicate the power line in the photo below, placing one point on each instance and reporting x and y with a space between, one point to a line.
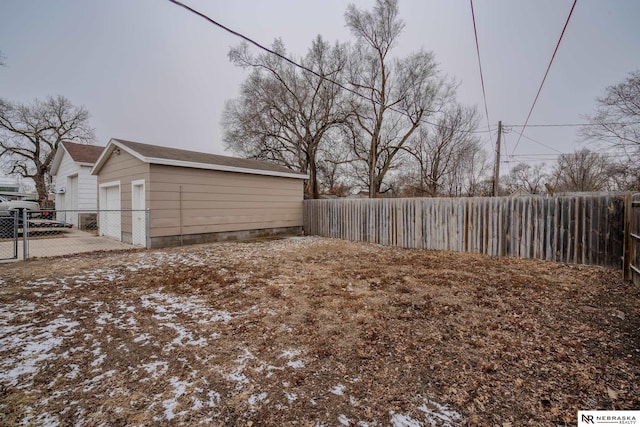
573 125
537 142
484 95
302 67
266 49
545 74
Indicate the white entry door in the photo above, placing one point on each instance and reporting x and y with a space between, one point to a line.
110 215
139 224
71 200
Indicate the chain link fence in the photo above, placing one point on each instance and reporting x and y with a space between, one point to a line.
30 234
8 235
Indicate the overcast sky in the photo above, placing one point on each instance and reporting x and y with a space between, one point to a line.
152 72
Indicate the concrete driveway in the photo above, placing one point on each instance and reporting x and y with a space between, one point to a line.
57 242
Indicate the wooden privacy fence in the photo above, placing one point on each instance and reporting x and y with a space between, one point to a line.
633 240
585 229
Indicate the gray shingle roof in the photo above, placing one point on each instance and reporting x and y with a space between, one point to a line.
175 154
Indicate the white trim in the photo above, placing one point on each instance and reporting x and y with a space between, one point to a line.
210 166
57 159
138 218
110 184
110 223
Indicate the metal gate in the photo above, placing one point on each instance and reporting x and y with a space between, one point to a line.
634 239
9 235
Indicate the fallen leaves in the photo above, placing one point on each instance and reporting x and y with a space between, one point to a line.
498 341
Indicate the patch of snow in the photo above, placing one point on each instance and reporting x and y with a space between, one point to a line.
179 388
338 390
30 345
75 370
214 398
46 420
296 364
400 420
143 337
103 318
90 384
237 376
156 369
291 396
167 306
436 413
197 404
290 353
344 420
256 398
99 360
183 335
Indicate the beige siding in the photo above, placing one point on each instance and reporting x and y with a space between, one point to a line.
194 201
124 168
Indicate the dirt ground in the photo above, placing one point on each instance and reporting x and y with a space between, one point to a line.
313 332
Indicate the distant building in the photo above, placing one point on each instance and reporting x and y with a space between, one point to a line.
14 187
73 183
74 186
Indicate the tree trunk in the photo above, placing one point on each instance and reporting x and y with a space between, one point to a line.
373 186
41 186
312 184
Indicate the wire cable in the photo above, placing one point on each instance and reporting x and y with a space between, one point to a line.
484 95
302 67
545 75
574 125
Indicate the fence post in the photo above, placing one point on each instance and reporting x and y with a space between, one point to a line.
626 245
25 234
147 229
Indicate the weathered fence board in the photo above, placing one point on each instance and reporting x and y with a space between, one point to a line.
583 229
632 240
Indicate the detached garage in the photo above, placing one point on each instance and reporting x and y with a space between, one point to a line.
189 197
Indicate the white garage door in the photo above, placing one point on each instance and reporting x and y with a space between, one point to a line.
110 215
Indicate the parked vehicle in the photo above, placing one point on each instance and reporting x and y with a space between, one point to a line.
7 206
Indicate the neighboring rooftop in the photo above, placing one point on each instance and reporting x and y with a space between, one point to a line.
83 153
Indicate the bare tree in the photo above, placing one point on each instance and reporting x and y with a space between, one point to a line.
624 174
616 119
2 59
395 95
333 161
443 150
529 178
283 113
31 133
583 170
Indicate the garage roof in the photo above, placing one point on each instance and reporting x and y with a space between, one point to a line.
155 154
83 154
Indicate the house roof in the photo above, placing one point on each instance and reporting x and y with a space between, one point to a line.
83 154
155 154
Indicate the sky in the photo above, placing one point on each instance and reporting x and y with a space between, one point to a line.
152 72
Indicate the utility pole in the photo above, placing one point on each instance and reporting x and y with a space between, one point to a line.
496 169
